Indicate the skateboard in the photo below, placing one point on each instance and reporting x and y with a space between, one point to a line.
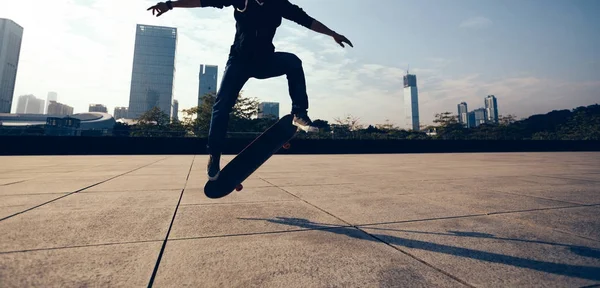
251 158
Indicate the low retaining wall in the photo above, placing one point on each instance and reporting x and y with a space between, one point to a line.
50 145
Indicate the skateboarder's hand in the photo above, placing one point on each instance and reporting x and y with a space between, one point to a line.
340 39
160 7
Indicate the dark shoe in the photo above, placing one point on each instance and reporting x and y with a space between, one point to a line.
302 121
213 168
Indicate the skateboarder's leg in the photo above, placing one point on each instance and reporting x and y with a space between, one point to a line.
283 63
234 78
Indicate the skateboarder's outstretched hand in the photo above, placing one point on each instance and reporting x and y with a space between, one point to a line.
340 39
160 7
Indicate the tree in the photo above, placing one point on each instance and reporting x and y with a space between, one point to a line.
349 121
388 125
323 125
154 116
507 120
152 123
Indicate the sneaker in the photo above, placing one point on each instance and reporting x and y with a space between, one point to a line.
302 121
213 167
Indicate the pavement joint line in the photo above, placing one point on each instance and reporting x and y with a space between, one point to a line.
591 286
164 244
127 191
16 182
567 178
34 194
536 197
262 233
474 215
382 241
239 203
78 246
71 193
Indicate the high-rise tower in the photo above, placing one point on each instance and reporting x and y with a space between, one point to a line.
207 81
491 109
11 35
153 70
411 102
463 114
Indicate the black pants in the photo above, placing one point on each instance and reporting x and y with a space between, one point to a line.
237 73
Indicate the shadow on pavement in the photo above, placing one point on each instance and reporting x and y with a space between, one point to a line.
584 272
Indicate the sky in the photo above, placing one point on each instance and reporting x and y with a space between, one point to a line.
535 56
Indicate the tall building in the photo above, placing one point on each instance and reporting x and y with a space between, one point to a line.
411 102
477 117
268 110
153 70
55 108
29 104
491 108
11 35
120 113
463 114
207 81
52 96
175 110
97 108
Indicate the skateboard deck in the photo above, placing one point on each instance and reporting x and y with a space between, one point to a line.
251 158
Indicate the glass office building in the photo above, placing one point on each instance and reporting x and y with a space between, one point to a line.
153 72
11 35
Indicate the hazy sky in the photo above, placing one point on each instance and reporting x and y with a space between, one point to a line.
534 55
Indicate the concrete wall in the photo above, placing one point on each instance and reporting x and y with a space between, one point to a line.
50 145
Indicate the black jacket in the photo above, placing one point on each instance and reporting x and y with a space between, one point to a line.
256 24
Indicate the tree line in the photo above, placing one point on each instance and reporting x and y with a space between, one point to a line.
581 123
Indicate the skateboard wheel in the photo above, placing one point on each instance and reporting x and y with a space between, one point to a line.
239 187
286 146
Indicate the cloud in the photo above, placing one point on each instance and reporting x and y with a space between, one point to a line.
478 22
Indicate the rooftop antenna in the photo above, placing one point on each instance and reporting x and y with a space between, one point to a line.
407 69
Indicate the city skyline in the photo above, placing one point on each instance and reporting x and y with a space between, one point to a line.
340 81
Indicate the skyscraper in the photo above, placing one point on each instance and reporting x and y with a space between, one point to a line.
153 70
491 109
463 114
52 96
268 110
11 35
477 117
175 110
55 108
97 108
29 104
207 81
411 102
120 113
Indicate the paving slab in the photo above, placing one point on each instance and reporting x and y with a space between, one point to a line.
12 204
334 258
252 194
487 251
141 183
51 185
91 219
582 221
122 265
193 221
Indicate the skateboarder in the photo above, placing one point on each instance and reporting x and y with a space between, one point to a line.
253 55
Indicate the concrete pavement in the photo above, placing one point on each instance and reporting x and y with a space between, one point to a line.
401 220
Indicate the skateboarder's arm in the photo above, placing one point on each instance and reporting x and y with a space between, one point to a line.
205 3
296 14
